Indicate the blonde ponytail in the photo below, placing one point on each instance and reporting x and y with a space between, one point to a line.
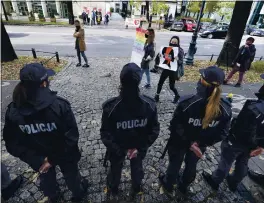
213 105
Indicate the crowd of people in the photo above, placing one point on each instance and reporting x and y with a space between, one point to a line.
94 18
40 128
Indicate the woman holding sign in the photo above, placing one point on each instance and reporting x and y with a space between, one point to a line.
169 57
149 53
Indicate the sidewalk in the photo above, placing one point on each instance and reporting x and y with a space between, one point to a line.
87 89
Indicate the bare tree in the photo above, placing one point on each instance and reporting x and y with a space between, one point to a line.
8 53
235 32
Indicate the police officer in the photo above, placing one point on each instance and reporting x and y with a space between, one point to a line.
245 140
40 129
129 127
199 120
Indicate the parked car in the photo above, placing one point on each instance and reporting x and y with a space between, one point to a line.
189 24
177 26
259 31
168 24
222 24
205 25
214 32
250 28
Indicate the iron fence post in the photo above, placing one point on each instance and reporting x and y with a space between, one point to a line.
57 56
212 57
34 53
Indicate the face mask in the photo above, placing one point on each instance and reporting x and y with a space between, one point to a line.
78 27
203 90
146 35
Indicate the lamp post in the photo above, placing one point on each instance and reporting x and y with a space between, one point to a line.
192 48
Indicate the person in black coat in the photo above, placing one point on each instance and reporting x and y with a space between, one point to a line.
129 127
199 121
172 75
245 140
242 61
40 129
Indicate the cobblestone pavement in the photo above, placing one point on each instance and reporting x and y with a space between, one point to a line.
87 89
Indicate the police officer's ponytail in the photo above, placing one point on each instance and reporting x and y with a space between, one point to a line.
213 106
19 94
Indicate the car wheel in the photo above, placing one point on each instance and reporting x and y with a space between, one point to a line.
184 29
210 36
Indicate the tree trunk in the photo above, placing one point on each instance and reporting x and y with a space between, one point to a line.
235 32
194 14
147 10
8 54
209 15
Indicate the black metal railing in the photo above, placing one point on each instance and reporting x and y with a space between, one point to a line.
34 54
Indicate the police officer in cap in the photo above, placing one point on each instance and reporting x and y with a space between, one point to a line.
245 140
129 127
199 121
40 129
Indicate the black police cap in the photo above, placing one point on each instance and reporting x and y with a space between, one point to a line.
130 75
262 76
35 73
213 75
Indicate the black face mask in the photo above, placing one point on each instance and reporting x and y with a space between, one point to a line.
146 36
173 45
78 28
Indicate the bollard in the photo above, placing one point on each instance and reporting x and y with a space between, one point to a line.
57 56
212 57
34 53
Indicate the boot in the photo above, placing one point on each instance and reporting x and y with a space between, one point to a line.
85 66
136 190
167 189
225 82
85 186
78 64
238 85
12 188
210 181
176 99
156 97
232 186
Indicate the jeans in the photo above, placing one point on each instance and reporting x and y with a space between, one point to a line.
146 71
229 154
234 70
79 53
164 75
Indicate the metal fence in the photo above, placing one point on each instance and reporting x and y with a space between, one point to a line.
34 54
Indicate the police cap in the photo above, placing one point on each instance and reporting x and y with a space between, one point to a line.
213 75
35 73
262 76
130 75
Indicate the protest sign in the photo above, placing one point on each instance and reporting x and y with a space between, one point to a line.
168 58
138 47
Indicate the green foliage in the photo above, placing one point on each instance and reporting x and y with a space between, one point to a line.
211 6
111 9
258 66
159 7
226 9
207 20
194 6
40 15
135 3
31 14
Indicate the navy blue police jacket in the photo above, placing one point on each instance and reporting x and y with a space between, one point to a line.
186 124
129 124
248 127
45 127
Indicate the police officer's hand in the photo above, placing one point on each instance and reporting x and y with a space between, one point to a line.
45 166
256 152
132 153
194 148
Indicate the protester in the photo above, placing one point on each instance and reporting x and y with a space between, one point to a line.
149 53
80 44
172 75
8 186
129 127
93 17
84 16
40 129
245 140
243 60
88 16
106 19
199 121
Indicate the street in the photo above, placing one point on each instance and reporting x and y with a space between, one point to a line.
106 42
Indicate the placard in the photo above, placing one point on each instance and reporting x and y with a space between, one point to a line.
168 58
138 46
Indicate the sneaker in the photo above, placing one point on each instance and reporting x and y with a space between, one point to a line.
232 186
85 186
238 85
176 99
210 181
78 65
85 66
12 188
147 86
168 190
225 82
156 97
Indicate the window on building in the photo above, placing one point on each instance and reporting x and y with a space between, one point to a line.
22 7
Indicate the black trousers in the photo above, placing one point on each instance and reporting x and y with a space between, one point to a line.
229 154
137 173
176 156
164 75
